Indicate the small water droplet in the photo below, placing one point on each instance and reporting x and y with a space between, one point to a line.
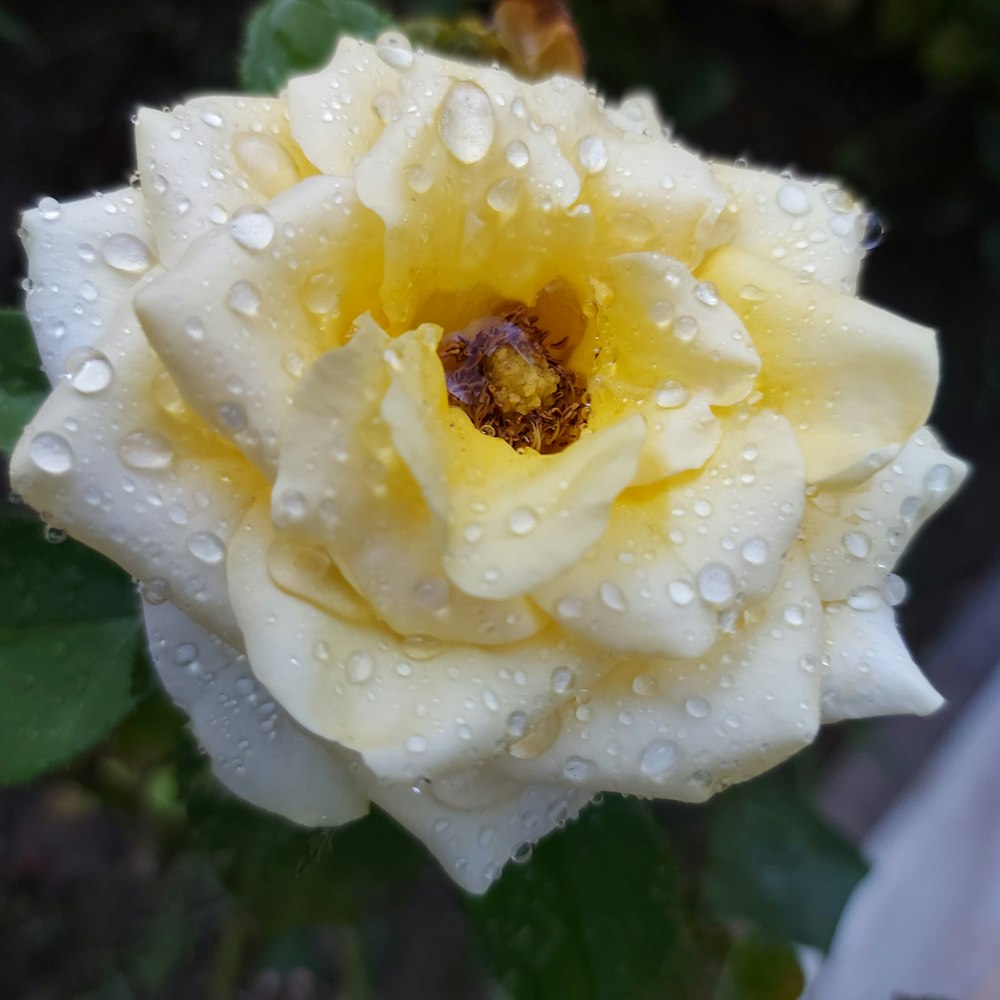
467 124
207 547
562 680
716 584
661 313
751 293
517 724
577 769
321 295
243 298
686 328
706 293
522 521
793 199
671 395
503 194
360 666
517 154
864 599
416 744
857 544
939 479
697 707
232 415
89 371
794 614
754 551
569 607
681 592
146 450
869 231
612 596
49 209
592 152
894 590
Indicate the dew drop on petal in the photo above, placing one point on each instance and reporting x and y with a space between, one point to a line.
754 551
686 328
126 253
939 479
207 547
467 124
321 295
894 590
252 227
792 199
51 453
522 521
592 152
517 154
697 707
706 293
857 544
89 371
243 298
716 584
612 596
360 666
658 759
577 769
671 395
394 49
503 194
681 592
864 599
146 450
562 680
49 209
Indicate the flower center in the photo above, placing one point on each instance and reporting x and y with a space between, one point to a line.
502 372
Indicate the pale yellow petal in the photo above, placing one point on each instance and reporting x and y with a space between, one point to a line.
244 312
683 729
855 537
342 483
203 160
116 459
867 669
84 258
851 378
811 227
410 706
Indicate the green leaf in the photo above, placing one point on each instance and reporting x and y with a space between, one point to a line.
759 968
68 641
22 384
286 37
594 915
774 861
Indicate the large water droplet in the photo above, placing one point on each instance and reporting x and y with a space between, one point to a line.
592 152
503 194
939 479
51 453
792 199
243 298
467 124
658 759
577 768
716 584
127 253
864 599
394 49
146 450
252 227
207 547
49 209
754 551
89 371
522 521
857 544
517 154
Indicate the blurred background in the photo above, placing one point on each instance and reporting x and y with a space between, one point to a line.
127 873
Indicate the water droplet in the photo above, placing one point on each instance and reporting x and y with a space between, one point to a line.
49 209
185 654
433 593
592 153
837 200
658 759
686 328
360 667
671 395
702 507
156 590
243 299
754 551
706 293
869 231
232 415
521 854
716 584
792 199
517 724
419 178
751 293
569 607
697 707
503 194
467 124
894 590
562 680
321 296
612 596
146 450
54 535
126 253
864 599
207 547
416 744
795 614
939 479
681 593
577 769
88 291
89 371
857 544
517 154
522 521
252 227
51 453
394 50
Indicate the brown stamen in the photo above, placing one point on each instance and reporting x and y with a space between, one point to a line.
502 373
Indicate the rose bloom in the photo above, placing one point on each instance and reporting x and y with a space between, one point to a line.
478 448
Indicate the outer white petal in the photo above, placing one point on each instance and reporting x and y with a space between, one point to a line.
682 729
342 484
84 258
234 324
854 537
672 569
812 227
474 821
410 706
126 468
257 751
851 378
867 669
205 159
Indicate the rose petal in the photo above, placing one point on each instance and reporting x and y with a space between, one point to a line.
84 258
850 377
672 568
341 483
855 537
203 160
257 751
513 519
811 227
682 729
237 322
661 324
474 821
867 668
116 459
410 706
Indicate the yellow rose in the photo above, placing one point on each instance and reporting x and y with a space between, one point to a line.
479 448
